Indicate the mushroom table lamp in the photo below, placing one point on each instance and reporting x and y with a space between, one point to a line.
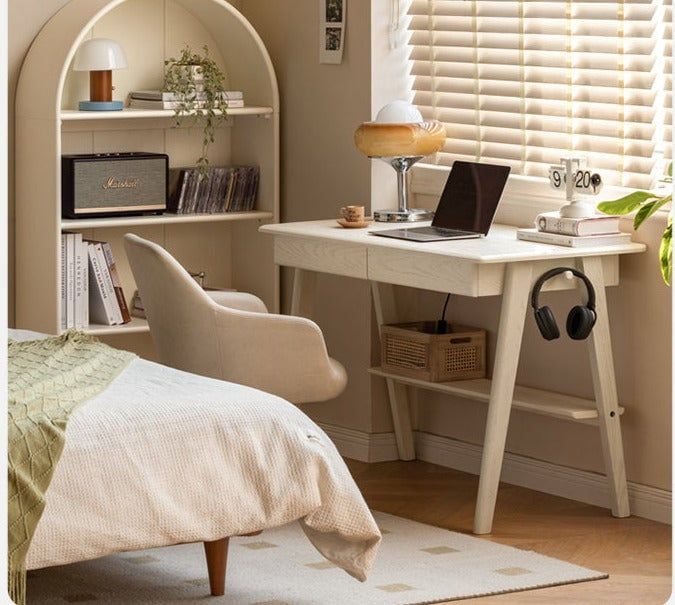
400 137
99 56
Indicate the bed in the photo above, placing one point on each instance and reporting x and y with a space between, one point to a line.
164 457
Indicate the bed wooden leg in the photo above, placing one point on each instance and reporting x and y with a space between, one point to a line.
216 562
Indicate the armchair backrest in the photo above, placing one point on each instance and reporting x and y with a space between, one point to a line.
180 314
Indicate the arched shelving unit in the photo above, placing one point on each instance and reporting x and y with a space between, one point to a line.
227 247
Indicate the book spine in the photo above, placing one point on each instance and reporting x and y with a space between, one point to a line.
117 284
84 252
70 285
79 283
64 282
540 238
98 309
112 306
560 225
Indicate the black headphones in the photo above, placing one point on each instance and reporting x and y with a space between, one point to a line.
580 320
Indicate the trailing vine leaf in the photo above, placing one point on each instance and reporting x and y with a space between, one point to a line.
206 105
648 209
626 204
666 252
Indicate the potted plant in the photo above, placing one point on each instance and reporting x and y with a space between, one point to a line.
198 85
645 204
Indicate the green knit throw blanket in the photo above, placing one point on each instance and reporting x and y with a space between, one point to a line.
48 379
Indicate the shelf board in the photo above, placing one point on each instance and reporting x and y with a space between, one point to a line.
71 115
546 403
162 219
135 326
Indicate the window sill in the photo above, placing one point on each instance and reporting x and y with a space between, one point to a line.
524 196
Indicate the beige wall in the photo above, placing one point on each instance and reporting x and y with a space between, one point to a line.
321 170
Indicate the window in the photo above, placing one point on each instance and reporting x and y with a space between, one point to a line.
525 82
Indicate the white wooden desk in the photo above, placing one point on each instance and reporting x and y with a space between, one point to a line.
498 264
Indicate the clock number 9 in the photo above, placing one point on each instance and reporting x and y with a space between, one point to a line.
556 178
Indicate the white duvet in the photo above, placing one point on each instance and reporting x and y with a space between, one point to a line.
164 457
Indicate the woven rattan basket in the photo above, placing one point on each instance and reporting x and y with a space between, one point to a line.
416 351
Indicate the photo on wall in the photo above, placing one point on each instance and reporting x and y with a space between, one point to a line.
332 25
334 11
333 38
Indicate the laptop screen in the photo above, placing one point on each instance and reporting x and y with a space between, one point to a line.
471 195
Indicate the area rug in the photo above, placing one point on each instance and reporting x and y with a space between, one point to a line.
416 564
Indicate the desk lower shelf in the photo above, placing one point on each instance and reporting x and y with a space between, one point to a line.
526 399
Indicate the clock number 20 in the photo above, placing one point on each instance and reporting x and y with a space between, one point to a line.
582 179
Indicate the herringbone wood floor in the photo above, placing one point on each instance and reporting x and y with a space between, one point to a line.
635 552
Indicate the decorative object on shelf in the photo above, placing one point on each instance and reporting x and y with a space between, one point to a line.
332 26
647 203
353 217
417 350
198 85
222 189
574 177
99 56
400 137
581 318
114 184
137 309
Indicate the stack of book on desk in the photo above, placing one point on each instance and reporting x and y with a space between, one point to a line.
162 99
599 230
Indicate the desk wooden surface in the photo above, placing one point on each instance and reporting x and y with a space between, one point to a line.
501 245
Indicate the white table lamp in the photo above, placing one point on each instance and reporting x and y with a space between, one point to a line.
99 56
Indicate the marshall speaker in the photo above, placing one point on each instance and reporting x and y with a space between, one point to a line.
114 184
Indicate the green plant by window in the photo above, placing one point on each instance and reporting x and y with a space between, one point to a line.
198 84
644 204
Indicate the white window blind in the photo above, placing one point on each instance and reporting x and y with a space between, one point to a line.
524 82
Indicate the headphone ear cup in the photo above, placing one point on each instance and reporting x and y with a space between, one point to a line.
580 322
546 323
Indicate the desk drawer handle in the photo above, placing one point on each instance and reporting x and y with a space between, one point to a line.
457 341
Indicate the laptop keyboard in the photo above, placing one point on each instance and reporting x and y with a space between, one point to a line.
441 231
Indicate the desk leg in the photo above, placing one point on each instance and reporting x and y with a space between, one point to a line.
385 312
517 284
302 300
606 398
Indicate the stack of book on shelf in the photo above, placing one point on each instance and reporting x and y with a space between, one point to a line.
226 189
90 286
599 230
163 99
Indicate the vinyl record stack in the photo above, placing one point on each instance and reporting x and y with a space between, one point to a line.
225 189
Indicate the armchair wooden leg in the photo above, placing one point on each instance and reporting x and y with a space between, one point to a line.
216 562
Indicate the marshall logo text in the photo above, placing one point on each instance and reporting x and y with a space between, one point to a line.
113 183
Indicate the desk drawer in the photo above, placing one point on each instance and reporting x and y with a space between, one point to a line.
320 255
420 270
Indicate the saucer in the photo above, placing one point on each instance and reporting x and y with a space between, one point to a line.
353 224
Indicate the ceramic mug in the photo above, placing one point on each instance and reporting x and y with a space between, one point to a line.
353 214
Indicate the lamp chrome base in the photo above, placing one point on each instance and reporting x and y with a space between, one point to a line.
411 215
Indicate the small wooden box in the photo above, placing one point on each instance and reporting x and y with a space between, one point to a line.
416 351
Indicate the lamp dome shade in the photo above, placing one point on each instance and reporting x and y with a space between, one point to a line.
399 112
99 54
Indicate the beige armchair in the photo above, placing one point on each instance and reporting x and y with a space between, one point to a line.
230 335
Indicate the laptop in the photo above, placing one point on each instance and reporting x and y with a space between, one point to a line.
466 208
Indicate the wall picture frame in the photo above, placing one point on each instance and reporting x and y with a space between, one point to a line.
332 26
